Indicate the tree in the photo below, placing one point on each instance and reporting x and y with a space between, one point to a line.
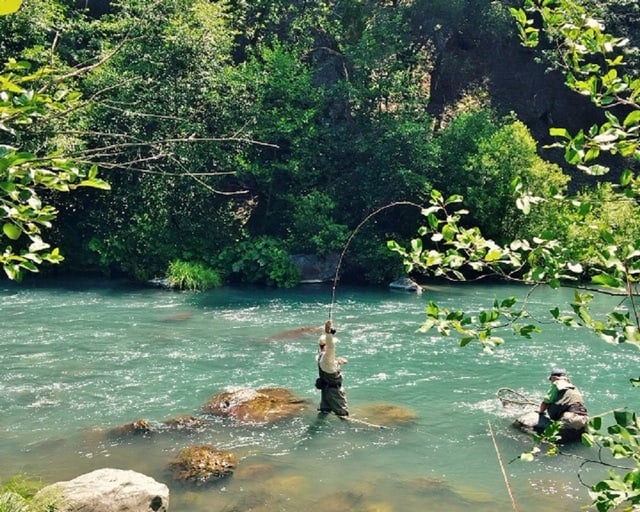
159 105
593 62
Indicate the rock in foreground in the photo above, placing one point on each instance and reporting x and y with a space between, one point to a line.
202 464
110 490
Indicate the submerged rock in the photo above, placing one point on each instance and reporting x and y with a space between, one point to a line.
185 423
110 490
386 414
256 471
300 332
261 406
202 464
139 427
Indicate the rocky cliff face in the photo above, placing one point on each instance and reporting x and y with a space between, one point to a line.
516 82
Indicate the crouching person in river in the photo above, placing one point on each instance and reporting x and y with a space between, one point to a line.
333 397
565 404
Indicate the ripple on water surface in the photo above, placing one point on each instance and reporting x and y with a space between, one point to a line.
78 361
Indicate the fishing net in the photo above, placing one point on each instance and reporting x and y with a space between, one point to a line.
512 398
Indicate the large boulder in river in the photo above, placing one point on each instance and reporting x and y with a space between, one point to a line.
531 422
110 490
202 464
261 406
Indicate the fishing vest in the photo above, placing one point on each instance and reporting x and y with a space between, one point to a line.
569 399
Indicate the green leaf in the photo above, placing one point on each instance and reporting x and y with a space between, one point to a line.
606 280
465 341
632 119
493 255
626 178
11 231
560 132
95 183
624 418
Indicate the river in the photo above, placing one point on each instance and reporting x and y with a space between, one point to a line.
79 358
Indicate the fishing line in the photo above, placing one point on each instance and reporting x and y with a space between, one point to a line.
353 234
504 472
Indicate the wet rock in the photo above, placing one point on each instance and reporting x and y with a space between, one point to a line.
139 427
110 490
530 421
261 406
184 423
406 285
385 414
202 464
160 282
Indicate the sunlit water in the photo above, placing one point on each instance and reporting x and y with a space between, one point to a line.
82 358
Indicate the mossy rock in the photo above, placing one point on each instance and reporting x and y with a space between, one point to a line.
261 406
202 464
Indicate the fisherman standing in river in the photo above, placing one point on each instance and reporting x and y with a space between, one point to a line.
333 397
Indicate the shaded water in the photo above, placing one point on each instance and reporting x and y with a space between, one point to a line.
78 359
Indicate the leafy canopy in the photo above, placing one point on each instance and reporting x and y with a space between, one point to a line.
26 113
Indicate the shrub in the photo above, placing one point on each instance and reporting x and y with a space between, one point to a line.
19 495
263 260
192 276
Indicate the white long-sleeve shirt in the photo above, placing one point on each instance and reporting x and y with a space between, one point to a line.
327 358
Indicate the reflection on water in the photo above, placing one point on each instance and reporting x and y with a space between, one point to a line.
79 360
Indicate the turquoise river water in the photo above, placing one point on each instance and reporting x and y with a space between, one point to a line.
80 358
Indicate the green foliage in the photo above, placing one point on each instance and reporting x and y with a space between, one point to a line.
263 260
23 485
490 162
187 275
159 105
19 495
28 34
280 97
26 174
502 314
368 260
596 219
312 229
594 64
